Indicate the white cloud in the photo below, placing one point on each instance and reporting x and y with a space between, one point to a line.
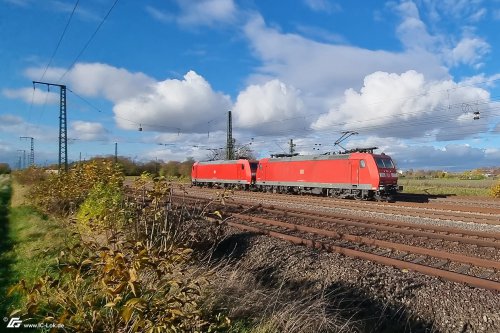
179 147
51 75
323 6
113 83
17 126
478 15
496 14
269 108
166 106
65 7
187 105
30 95
21 3
408 106
198 13
463 10
324 70
454 157
413 32
159 15
88 79
9 120
206 12
469 51
88 131
321 34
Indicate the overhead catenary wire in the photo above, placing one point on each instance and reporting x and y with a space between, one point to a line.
60 41
367 124
177 129
89 40
52 58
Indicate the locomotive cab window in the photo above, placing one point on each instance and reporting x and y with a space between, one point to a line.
384 162
362 163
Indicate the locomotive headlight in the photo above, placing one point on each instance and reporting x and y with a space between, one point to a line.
394 175
382 174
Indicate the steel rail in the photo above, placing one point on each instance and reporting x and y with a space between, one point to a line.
448 275
346 219
417 233
371 241
489 217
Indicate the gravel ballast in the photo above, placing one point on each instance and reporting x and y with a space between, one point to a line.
381 298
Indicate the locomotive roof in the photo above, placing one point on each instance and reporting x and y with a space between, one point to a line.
324 157
227 161
311 158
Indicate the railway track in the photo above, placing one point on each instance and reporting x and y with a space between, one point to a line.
457 202
480 215
426 261
458 267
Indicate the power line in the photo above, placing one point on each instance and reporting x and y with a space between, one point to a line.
139 124
89 40
60 40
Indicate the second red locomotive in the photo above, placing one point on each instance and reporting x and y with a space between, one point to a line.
360 175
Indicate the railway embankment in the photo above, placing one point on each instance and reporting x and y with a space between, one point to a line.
262 240
183 261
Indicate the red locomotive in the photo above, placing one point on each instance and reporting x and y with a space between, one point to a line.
357 174
240 173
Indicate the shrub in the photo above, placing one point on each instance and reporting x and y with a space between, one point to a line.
30 176
139 279
127 289
4 168
62 193
101 210
495 190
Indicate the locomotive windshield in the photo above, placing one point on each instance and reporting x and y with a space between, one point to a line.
384 163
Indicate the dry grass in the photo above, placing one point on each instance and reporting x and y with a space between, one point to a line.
438 186
287 305
19 193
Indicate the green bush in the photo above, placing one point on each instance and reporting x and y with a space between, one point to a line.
101 210
62 193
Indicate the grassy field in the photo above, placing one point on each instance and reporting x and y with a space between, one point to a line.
29 244
448 186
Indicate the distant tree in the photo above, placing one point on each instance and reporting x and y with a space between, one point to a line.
152 167
240 151
170 169
4 168
216 154
185 168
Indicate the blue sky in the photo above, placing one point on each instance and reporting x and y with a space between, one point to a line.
407 76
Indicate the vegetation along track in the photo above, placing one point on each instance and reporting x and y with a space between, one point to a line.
387 242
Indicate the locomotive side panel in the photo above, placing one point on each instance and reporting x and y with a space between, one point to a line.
222 172
313 172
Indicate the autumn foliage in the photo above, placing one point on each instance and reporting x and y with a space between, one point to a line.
127 268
